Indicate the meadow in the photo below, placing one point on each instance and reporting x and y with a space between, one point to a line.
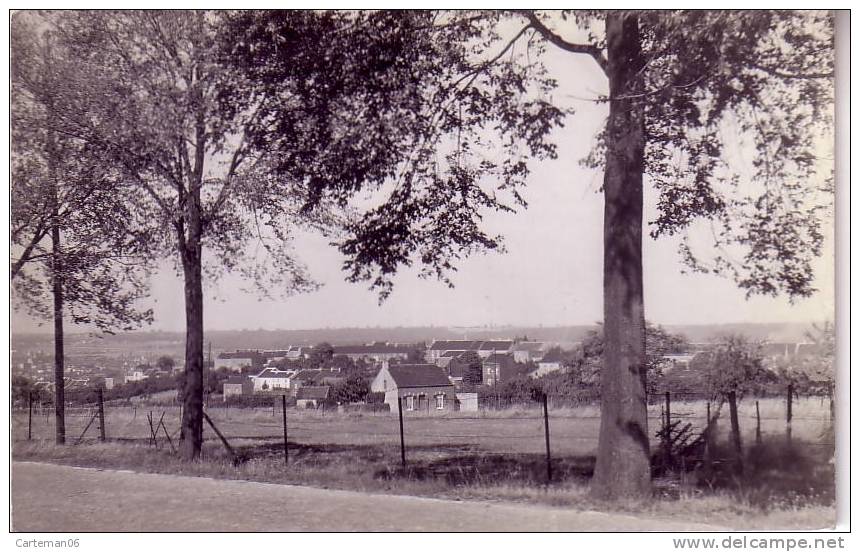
490 454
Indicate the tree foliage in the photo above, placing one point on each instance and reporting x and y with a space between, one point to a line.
424 99
448 88
59 183
735 365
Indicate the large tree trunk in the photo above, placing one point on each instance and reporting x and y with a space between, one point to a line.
623 464
192 413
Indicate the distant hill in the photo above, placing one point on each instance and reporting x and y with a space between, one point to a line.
174 342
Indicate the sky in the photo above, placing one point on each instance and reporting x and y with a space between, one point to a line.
550 275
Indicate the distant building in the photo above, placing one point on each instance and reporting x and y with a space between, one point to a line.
552 361
296 353
421 387
377 352
468 402
489 348
677 361
271 379
237 385
312 396
526 351
108 383
500 368
439 348
237 360
136 375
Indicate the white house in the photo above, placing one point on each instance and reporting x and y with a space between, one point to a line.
272 378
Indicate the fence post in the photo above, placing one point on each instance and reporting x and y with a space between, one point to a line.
101 415
757 424
30 415
402 445
286 447
546 435
789 397
707 452
667 434
153 439
223 439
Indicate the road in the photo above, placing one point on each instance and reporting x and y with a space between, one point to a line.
49 497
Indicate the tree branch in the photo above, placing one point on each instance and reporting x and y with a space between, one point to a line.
557 40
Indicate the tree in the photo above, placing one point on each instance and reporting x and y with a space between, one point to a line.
473 368
684 88
353 389
75 251
320 355
151 95
735 368
165 363
416 355
658 343
675 80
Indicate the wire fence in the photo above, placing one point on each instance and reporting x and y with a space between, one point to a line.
518 429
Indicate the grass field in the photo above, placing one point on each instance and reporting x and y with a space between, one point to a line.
573 431
484 455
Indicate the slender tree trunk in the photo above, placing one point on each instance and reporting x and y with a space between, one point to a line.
623 463
192 413
56 286
59 358
736 430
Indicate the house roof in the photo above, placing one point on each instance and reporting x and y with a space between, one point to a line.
554 355
418 375
455 345
319 392
530 346
451 354
273 373
250 355
498 358
238 380
308 375
373 348
496 345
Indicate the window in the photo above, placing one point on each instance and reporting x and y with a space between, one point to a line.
410 402
440 401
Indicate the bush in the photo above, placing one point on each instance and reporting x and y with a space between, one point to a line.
375 397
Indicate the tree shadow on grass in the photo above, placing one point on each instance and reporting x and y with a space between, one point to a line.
775 473
479 467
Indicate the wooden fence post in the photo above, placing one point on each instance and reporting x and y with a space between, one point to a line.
789 397
92 419
707 452
166 434
546 436
223 439
667 434
286 447
402 445
102 436
153 438
30 415
757 424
